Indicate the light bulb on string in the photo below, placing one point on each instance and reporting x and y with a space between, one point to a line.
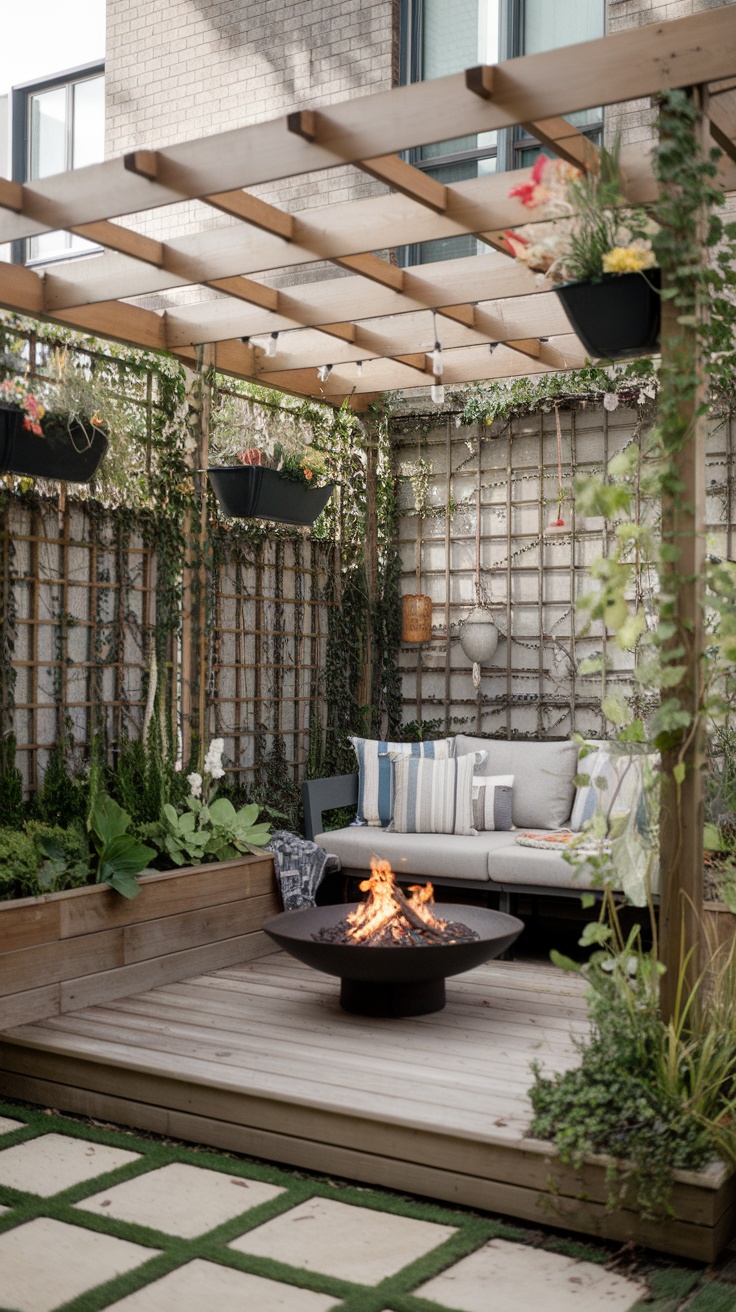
438 364
359 368
324 372
438 392
271 342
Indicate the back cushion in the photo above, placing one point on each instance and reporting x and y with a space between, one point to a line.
614 788
543 777
376 773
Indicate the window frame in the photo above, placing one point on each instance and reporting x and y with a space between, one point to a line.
510 142
20 103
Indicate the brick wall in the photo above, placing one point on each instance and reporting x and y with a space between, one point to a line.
180 69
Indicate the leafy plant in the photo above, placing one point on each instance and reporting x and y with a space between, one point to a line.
652 1094
19 862
65 855
215 832
120 856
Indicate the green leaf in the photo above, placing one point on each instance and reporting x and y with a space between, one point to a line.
108 820
171 815
564 963
123 883
248 815
591 665
124 854
712 841
587 901
223 812
678 773
594 932
616 709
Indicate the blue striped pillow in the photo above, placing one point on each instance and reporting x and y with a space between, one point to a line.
435 797
376 773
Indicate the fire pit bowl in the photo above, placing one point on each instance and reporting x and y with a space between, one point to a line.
392 981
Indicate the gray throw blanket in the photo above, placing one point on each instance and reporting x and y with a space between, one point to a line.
300 868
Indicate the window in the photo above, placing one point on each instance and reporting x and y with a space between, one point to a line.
58 124
445 36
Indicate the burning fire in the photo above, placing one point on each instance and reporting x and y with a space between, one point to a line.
387 912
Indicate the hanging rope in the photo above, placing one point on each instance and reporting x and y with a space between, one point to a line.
560 497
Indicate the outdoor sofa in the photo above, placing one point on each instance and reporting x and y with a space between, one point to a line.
544 800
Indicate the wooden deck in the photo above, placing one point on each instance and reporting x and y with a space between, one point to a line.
260 1059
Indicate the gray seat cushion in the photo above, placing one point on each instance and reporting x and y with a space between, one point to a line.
543 777
531 866
426 856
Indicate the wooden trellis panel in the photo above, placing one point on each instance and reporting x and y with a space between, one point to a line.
532 580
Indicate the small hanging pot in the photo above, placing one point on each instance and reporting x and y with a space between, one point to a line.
478 639
416 618
617 317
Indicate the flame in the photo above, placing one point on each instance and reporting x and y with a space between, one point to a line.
382 908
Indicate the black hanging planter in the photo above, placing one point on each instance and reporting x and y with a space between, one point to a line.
616 317
68 451
254 492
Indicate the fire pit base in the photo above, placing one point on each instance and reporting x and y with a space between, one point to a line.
375 998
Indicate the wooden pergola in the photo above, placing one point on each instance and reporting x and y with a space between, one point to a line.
372 325
380 315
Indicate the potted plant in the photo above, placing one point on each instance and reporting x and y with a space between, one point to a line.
284 487
597 250
46 443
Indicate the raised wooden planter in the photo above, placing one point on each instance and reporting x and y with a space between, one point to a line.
70 950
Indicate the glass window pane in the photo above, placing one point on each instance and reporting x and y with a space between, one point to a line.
562 23
453 248
47 134
458 34
89 122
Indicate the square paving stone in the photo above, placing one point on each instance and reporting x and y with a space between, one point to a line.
56 1161
7 1124
515 1277
46 1263
206 1287
181 1200
337 1239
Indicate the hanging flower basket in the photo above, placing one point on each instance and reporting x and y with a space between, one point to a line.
616 317
67 450
254 492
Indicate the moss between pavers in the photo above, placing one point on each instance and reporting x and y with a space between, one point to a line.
669 1285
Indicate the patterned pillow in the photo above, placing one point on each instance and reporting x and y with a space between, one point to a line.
376 773
492 799
434 796
614 785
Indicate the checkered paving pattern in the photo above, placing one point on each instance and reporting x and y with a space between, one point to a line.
94 1217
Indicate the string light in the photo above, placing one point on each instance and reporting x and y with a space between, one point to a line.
271 342
324 372
359 368
438 364
438 392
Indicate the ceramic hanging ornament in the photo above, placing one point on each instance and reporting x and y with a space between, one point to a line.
478 639
557 524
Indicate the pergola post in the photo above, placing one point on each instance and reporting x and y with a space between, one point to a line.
194 578
683 588
370 428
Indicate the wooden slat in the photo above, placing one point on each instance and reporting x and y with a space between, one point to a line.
117 238
152 938
52 962
252 210
565 140
28 921
370 266
11 196
722 115
29 1005
407 180
624 66
90 910
107 985
246 289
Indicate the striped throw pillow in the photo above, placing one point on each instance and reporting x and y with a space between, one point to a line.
435 796
376 773
492 799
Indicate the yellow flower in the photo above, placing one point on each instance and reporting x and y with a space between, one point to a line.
628 259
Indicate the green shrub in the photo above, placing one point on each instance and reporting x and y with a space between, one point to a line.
62 798
12 808
19 865
63 854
